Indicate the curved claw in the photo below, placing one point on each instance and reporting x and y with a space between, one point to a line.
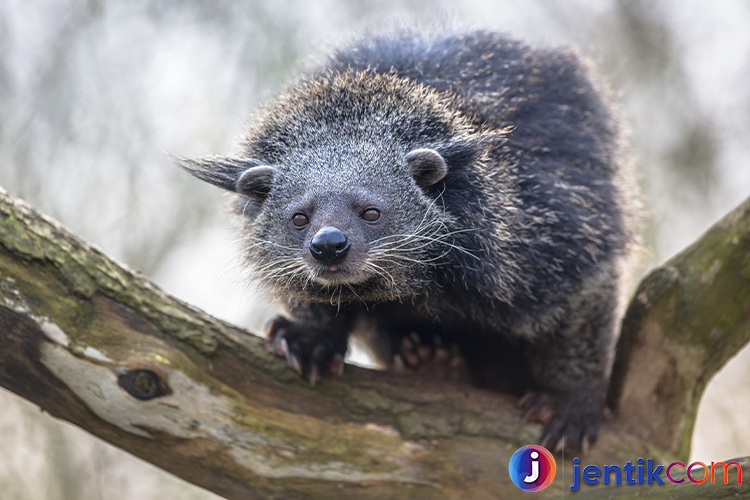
314 375
537 406
283 348
307 353
398 364
337 364
571 420
560 445
293 362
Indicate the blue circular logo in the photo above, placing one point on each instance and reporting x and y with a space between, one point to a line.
532 468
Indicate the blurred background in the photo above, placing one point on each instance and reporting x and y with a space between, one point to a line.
94 93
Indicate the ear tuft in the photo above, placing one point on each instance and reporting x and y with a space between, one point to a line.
221 171
427 166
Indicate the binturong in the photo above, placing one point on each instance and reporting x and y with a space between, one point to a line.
443 189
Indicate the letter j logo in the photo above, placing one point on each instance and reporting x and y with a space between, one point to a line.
532 468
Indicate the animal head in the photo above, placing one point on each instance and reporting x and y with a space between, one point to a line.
340 183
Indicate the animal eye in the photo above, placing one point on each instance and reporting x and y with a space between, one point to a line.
371 215
300 220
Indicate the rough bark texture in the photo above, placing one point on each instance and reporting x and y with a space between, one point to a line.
687 319
89 340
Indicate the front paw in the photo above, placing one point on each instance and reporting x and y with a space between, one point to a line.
429 359
571 420
307 350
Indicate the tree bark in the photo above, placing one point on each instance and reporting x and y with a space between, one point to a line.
95 343
687 319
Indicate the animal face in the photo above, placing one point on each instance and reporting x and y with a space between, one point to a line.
322 223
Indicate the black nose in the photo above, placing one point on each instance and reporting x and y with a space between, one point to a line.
329 245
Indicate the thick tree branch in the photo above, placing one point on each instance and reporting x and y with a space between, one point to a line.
687 319
89 341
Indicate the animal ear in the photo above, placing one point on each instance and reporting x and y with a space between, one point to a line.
427 166
468 150
244 176
255 182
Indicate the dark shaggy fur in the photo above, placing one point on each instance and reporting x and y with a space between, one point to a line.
496 174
